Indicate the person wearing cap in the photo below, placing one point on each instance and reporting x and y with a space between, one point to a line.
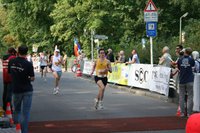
186 79
57 62
165 60
7 90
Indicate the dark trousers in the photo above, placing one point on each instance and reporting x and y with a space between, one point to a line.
7 95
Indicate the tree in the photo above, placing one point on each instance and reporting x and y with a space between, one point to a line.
28 21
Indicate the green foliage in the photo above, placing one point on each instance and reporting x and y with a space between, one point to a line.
57 22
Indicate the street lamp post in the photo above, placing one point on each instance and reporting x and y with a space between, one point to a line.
92 44
180 32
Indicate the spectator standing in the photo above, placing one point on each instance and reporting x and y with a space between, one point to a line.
121 58
186 79
22 73
165 60
179 53
7 89
135 58
110 55
195 55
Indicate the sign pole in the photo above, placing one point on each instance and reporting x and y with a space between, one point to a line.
151 19
151 49
92 45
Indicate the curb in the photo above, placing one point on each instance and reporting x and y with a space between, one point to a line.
142 92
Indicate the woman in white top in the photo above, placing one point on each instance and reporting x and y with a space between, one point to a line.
57 62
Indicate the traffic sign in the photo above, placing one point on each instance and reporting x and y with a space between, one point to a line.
150 7
150 12
102 37
151 28
151 16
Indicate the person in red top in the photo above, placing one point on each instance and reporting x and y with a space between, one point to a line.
7 91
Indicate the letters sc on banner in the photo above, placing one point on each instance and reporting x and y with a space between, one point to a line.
141 75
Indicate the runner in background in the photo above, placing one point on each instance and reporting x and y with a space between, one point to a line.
57 62
35 60
101 66
43 65
65 62
50 62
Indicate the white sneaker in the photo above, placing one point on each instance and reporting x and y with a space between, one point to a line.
100 105
96 103
58 89
55 91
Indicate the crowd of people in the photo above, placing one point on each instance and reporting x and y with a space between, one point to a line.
19 71
186 64
21 66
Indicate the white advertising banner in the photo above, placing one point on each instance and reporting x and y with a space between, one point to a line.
88 65
144 76
139 75
160 80
196 89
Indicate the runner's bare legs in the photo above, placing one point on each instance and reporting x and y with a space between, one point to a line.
101 90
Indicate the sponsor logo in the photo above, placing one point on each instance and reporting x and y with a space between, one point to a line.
141 75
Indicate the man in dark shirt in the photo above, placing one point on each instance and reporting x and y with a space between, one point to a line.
22 74
186 79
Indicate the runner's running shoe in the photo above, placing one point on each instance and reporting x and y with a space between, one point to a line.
55 91
100 105
96 103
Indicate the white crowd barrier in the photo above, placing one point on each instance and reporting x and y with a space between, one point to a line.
196 88
144 76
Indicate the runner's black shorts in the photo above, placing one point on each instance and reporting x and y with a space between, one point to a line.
42 67
103 79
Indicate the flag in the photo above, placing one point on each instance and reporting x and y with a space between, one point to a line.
77 47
